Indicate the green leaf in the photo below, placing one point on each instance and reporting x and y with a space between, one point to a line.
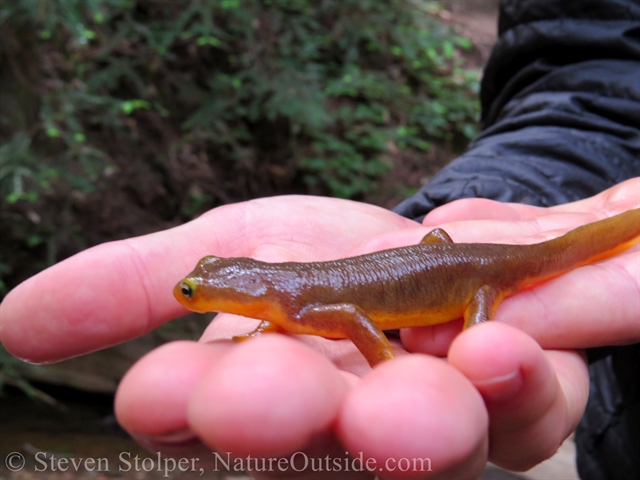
34 241
229 4
129 106
208 40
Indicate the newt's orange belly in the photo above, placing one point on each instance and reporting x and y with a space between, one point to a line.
416 318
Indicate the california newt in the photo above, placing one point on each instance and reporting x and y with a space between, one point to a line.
432 282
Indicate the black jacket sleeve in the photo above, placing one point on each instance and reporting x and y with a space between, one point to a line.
561 121
561 108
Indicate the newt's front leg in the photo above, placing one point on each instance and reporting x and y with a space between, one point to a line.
263 327
351 321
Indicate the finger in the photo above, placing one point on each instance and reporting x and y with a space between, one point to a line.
534 398
152 398
591 306
414 417
506 223
120 290
153 404
467 209
433 340
341 352
102 296
617 199
268 397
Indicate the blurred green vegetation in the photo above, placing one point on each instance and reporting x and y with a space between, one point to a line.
11 374
165 108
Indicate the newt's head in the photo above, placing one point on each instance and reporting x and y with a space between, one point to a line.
231 285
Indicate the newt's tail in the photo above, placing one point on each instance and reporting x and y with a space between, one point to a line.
593 242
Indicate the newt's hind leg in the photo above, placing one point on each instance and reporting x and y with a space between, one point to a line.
345 319
263 327
483 306
437 235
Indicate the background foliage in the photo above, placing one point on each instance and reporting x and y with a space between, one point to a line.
125 116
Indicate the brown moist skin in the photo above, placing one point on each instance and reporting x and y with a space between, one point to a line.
433 282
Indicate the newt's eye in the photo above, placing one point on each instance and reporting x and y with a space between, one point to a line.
186 290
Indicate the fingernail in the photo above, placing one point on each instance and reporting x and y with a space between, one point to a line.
175 437
501 387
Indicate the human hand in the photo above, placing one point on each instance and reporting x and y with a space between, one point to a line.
274 396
